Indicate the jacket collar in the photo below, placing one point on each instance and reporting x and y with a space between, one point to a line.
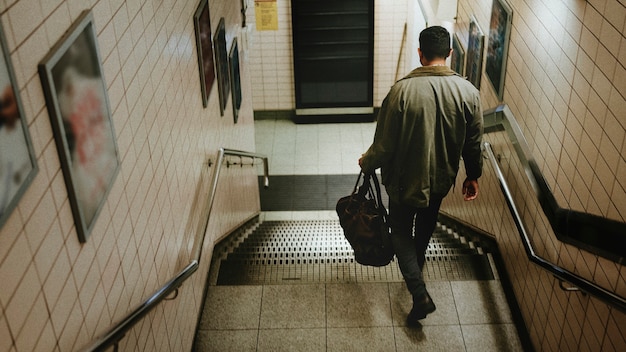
431 71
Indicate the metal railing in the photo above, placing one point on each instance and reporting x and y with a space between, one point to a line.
598 235
549 205
117 332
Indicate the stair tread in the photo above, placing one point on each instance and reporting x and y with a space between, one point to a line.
316 250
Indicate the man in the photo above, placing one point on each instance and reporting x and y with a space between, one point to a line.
428 120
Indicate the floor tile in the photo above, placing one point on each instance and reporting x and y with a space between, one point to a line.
226 340
231 307
292 340
481 302
293 306
444 338
491 337
441 293
470 316
358 305
305 149
360 339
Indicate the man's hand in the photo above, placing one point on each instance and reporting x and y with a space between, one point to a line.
470 189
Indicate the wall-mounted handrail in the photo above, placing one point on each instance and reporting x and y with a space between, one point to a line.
117 332
598 235
198 243
399 74
609 297
585 285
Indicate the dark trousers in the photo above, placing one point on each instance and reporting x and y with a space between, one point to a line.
411 230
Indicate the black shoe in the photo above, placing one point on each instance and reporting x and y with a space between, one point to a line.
422 306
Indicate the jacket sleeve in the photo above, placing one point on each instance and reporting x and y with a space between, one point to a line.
386 135
472 155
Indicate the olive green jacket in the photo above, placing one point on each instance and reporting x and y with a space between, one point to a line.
428 120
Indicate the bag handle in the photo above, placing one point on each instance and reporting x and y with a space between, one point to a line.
377 186
366 187
356 185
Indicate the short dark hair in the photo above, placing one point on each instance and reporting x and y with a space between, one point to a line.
435 42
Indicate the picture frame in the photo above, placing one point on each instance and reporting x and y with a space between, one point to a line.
498 45
76 98
204 47
18 162
233 59
475 49
244 9
221 64
457 59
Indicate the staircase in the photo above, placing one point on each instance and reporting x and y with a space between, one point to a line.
315 251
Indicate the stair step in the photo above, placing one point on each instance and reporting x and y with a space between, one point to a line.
305 251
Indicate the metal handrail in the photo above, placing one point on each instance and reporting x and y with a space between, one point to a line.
583 284
402 43
599 235
117 332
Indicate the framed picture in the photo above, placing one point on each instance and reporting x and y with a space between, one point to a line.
221 64
244 8
233 59
18 165
204 45
498 45
78 105
475 49
457 59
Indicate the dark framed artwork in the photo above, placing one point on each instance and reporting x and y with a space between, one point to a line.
204 45
221 64
244 8
18 164
475 49
498 45
78 105
457 59
233 59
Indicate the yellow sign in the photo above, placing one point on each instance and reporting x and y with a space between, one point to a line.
266 14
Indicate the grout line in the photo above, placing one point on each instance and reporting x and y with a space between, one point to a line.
258 331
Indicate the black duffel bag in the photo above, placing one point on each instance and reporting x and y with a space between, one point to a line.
363 218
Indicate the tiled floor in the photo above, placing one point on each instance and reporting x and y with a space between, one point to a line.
470 315
313 149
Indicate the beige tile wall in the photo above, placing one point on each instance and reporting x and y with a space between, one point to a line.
565 86
271 55
58 294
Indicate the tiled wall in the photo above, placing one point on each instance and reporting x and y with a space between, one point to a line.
57 294
271 55
565 85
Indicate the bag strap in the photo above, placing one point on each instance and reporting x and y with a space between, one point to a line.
366 188
356 185
379 198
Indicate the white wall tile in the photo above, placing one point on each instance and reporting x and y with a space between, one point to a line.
149 49
149 56
586 150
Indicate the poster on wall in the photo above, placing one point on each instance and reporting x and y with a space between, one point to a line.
266 13
221 64
475 48
244 9
457 59
18 165
77 102
498 45
235 79
204 46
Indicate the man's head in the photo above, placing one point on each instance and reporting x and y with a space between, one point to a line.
435 43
